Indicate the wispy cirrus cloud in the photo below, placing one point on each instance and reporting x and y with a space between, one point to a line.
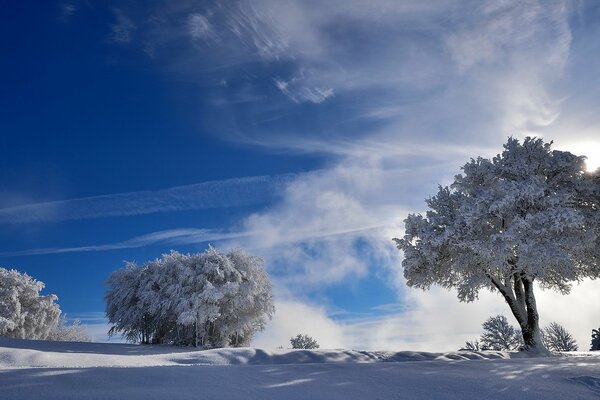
185 236
298 92
171 237
200 28
216 194
394 73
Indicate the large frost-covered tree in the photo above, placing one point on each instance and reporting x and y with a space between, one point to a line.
24 313
529 215
209 299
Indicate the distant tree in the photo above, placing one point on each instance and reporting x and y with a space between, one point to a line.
595 339
209 299
24 313
528 215
557 338
498 334
303 342
471 346
65 332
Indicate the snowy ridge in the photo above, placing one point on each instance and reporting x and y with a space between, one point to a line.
15 353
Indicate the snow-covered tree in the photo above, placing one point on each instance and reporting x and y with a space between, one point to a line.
595 339
65 332
498 334
209 299
303 342
557 338
24 313
471 346
529 215
123 305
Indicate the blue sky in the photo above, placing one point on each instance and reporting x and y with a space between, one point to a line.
304 131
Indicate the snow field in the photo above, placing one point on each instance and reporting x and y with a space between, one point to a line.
62 370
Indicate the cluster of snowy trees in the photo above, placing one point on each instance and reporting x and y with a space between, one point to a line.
209 299
301 341
25 314
499 334
527 216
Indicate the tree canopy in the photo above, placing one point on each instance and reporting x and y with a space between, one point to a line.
208 299
27 314
24 313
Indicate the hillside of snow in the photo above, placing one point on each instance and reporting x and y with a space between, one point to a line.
55 370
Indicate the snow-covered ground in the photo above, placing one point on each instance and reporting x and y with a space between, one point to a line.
53 370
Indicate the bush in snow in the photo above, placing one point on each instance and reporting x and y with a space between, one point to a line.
557 338
303 342
595 339
527 215
24 313
209 299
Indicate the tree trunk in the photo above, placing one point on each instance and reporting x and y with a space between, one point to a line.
196 332
518 294
531 331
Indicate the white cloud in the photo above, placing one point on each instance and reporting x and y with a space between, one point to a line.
578 312
294 317
331 225
497 31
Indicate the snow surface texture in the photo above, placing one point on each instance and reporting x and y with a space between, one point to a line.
62 370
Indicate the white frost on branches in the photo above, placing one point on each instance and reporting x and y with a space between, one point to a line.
529 214
24 314
209 299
